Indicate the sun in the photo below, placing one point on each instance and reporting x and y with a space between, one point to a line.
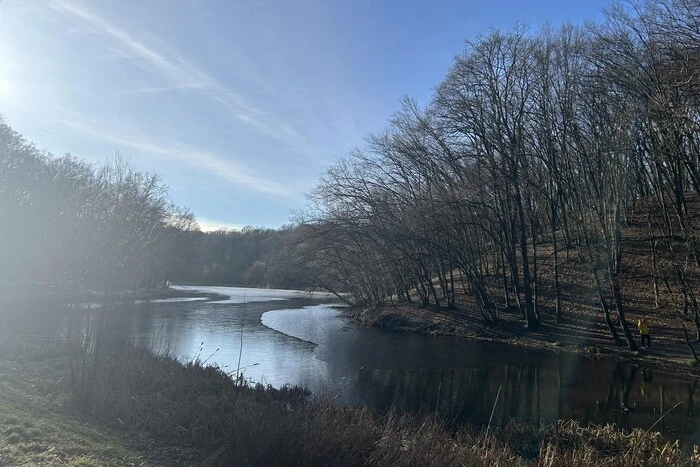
7 88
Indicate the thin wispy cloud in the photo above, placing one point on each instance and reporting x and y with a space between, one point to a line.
172 66
160 89
182 73
213 164
237 105
236 173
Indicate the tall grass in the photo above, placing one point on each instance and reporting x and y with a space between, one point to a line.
234 423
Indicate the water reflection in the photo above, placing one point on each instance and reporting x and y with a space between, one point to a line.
600 393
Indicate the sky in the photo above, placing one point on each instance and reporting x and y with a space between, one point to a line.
238 105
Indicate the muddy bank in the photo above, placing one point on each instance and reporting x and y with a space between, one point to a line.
570 336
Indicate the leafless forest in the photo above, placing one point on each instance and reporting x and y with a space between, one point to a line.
552 140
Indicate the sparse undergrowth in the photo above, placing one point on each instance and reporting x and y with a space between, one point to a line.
198 415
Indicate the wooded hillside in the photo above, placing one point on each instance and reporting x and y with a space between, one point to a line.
536 150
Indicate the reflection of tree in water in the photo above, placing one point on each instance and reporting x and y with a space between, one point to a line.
455 394
628 382
641 402
512 386
691 425
690 421
463 394
617 406
600 393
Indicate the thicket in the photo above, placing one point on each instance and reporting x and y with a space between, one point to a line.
254 257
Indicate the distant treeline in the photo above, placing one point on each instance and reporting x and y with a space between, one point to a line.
544 140
252 257
84 227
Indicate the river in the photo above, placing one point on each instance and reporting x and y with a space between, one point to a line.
283 337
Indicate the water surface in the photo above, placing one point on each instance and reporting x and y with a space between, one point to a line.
284 337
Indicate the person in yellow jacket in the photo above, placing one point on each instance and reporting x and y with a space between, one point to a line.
643 327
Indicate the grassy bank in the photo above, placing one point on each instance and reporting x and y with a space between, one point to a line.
40 426
148 409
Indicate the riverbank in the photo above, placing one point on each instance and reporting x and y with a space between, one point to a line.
145 409
42 294
649 289
574 336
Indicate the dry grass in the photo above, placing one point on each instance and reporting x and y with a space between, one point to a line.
148 409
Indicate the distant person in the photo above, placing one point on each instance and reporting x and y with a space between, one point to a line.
643 327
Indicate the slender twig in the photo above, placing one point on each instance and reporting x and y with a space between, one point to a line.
213 353
330 404
240 349
243 368
348 382
636 445
342 389
437 401
493 410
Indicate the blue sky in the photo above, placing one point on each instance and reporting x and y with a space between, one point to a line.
237 104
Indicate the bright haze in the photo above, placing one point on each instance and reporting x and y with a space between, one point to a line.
237 105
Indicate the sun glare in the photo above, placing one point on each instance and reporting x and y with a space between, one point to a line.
7 88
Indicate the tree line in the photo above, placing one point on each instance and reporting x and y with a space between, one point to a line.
254 257
83 227
91 228
546 140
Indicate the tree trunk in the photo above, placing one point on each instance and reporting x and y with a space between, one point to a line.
535 279
530 317
617 296
506 296
654 272
606 310
614 272
688 343
555 246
